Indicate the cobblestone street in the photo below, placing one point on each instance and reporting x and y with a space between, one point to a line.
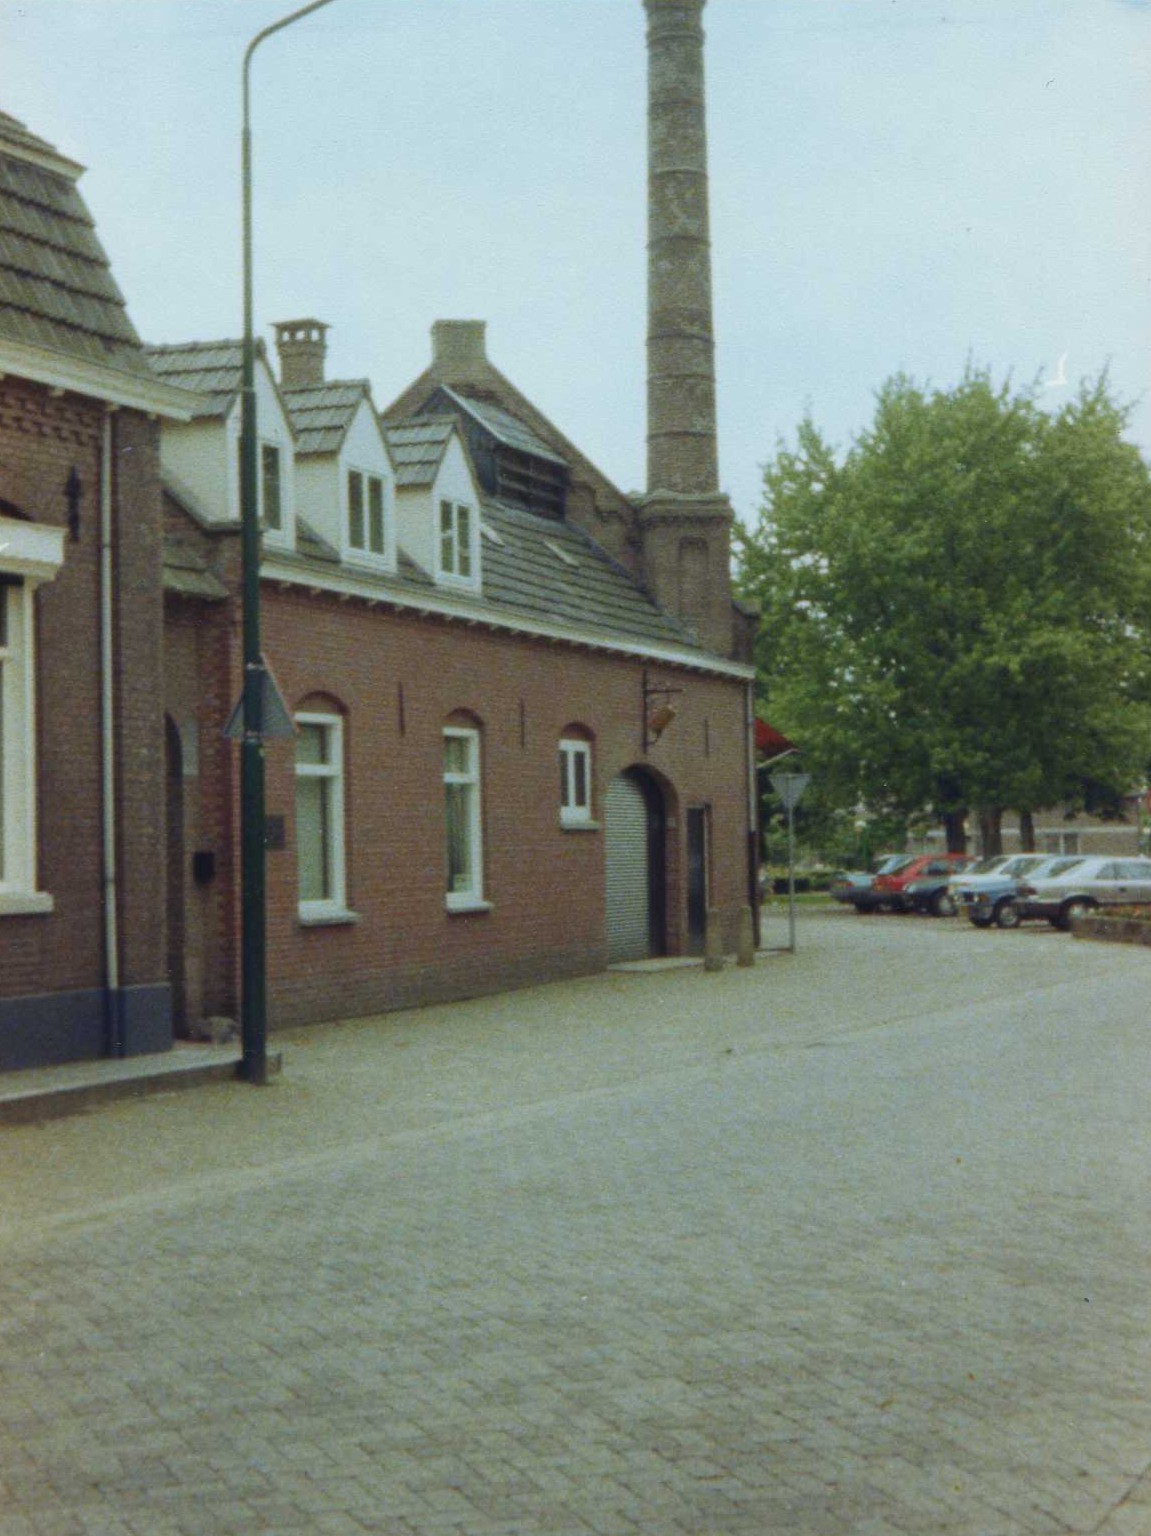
855 1243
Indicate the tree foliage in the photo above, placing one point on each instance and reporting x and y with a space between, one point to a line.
956 611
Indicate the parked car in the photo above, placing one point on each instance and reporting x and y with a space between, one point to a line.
1089 883
987 893
851 886
887 892
931 890
847 883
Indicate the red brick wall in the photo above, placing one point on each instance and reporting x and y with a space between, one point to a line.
42 438
545 884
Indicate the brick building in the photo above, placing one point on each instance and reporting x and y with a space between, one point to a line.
487 785
83 964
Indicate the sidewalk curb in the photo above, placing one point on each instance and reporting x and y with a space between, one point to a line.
49 1093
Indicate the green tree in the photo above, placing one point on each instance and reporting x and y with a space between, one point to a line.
955 612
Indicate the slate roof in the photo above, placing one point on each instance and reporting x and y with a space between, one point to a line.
503 425
322 413
213 369
417 446
553 570
56 286
187 573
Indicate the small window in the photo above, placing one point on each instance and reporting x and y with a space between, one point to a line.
456 557
575 781
462 812
271 501
366 512
320 813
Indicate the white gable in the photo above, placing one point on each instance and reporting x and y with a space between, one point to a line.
419 515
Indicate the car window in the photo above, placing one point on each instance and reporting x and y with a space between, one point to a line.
1023 864
894 861
1058 867
1134 869
1109 872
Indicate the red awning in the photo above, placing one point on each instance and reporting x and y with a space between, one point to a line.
771 743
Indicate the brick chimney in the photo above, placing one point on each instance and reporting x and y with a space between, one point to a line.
684 518
301 345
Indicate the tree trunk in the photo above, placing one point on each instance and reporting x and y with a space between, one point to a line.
1026 831
955 824
991 831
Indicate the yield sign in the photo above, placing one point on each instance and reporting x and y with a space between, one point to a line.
790 787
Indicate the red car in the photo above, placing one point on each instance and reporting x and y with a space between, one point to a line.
887 891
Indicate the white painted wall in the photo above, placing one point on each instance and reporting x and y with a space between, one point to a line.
418 514
205 455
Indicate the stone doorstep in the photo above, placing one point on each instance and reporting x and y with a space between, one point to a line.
45 1093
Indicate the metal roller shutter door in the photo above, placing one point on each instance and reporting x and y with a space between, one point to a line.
628 880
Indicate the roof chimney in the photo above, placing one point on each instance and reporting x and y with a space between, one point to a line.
458 346
301 345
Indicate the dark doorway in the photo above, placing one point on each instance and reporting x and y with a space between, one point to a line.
698 827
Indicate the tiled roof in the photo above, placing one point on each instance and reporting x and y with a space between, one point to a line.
553 570
56 287
213 369
322 413
417 446
187 573
503 425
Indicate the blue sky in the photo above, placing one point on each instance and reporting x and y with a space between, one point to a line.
896 185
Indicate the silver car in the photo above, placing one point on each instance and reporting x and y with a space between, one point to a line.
1089 883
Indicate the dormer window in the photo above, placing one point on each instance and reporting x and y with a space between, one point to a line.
271 500
366 513
457 540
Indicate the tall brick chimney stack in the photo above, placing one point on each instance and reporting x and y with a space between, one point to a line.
302 345
684 518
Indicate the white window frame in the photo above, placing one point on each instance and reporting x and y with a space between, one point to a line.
471 897
575 812
331 770
278 529
367 478
459 550
29 554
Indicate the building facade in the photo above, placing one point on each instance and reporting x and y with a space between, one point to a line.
507 762
83 961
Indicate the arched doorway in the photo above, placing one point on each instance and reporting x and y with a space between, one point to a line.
177 981
635 861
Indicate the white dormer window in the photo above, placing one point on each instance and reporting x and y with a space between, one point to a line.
271 497
458 554
366 513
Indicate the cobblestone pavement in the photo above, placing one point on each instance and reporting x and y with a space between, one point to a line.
852 1244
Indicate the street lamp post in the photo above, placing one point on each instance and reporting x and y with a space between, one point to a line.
253 896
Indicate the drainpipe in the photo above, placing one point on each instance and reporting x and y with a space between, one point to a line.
752 815
112 1011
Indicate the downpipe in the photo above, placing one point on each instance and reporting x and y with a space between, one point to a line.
113 1013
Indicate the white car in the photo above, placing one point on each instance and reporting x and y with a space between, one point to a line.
987 894
1089 883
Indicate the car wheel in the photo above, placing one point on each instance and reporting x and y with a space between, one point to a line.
943 904
1078 906
1007 914
980 922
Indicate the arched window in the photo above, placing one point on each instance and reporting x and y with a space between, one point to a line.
320 859
575 764
463 811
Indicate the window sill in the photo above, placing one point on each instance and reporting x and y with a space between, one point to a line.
580 826
25 903
326 915
456 904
